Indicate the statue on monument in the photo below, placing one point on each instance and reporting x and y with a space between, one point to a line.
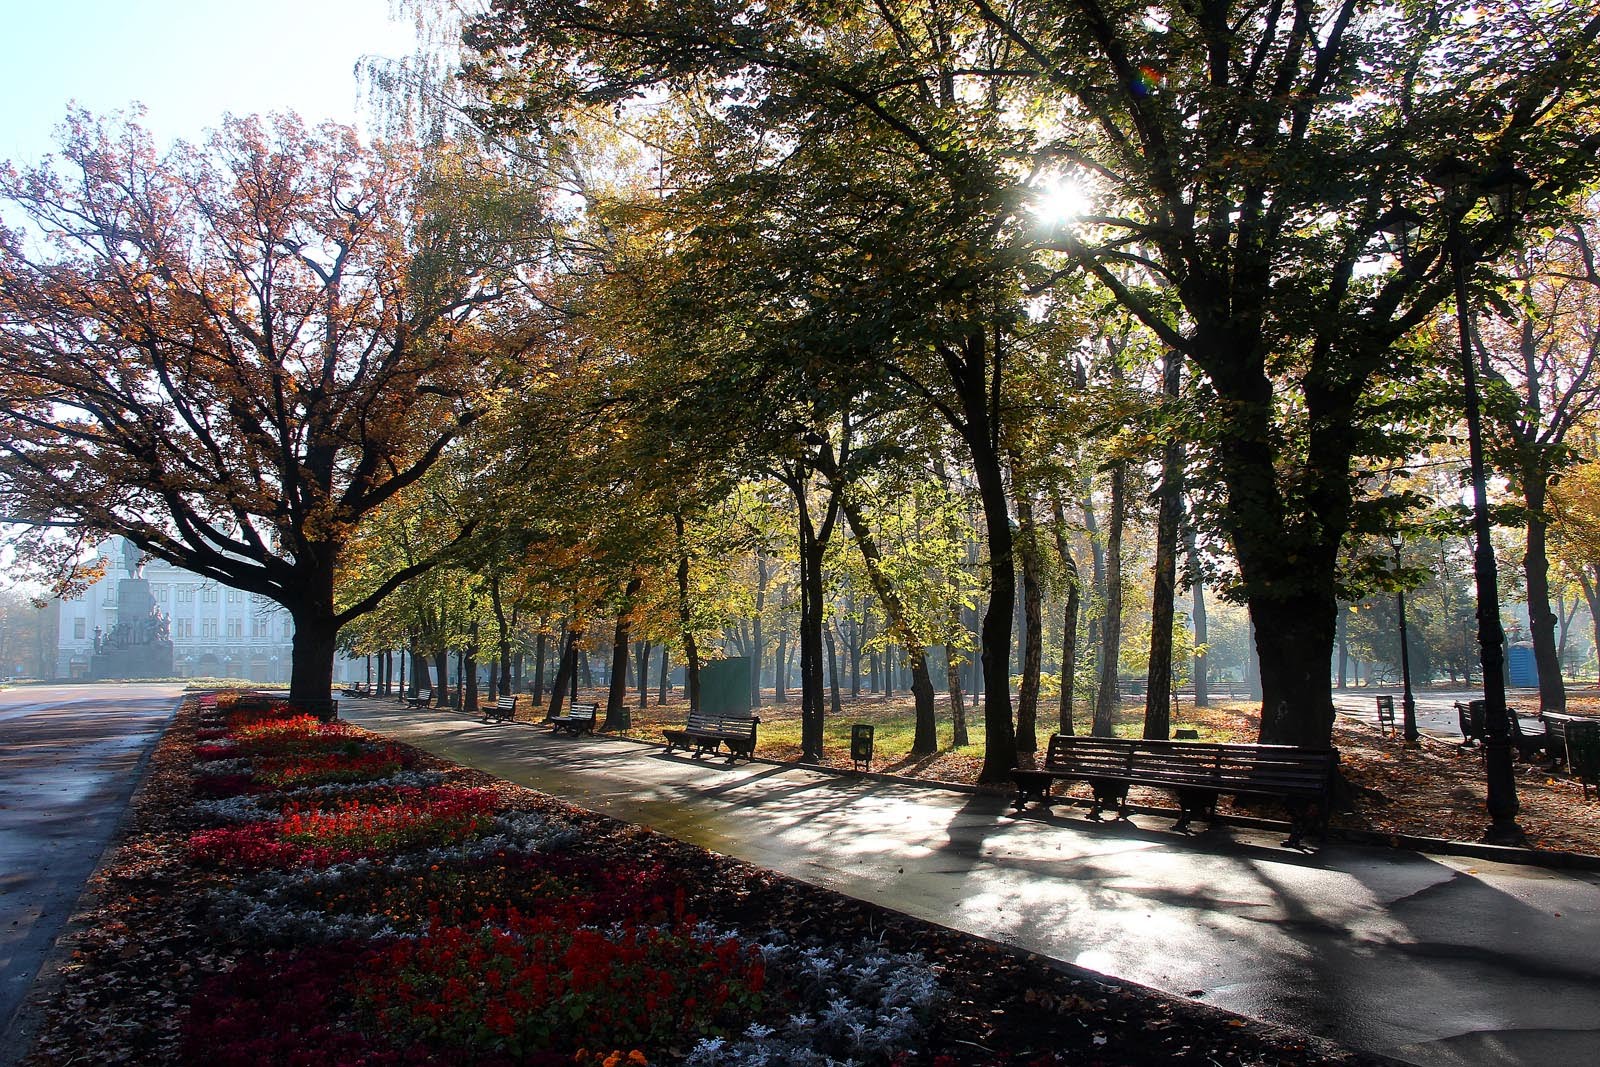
139 643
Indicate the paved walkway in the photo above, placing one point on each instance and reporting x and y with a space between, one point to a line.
1436 708
68 757
1431 959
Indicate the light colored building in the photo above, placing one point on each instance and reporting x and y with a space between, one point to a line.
216 631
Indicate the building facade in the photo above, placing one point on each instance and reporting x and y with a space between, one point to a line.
216 631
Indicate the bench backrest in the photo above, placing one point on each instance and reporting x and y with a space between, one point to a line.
1071 754
721 723
1200 764
1583 748
581 711
506 703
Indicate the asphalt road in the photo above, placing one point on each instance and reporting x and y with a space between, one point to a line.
69 761
1436 708
1433 959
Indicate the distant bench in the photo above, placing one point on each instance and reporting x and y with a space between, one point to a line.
579 719
707 733
423 698
1472 718
504 709
1557 727
1198 772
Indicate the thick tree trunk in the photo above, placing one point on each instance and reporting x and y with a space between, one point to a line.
538 666
311 666
833 670
1294 637
1069 620
1000 739
757 641
502 628
1164 590
1108 699
441 670
1541 620
780 669
471 700
421 675
665 685
811 684
813 545
853 651
644 674
564 668
1032 622
1202 669
691 654
1097 578
958 705
618 716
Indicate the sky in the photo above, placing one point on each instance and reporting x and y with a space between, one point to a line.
187 61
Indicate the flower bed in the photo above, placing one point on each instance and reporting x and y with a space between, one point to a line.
433 915
406 939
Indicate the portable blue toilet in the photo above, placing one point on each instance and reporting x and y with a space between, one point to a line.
1522 671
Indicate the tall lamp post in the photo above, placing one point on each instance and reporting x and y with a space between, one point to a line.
1462 187
1407 701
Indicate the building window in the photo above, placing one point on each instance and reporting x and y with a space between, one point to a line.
80 628
210 594
288 629
186 595
161 593
235 627
184 628
258 627
234 596
208 628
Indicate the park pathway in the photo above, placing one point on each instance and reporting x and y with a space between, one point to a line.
1432 959
69 761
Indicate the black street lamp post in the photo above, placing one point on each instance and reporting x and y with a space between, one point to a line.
1407 701
1462 187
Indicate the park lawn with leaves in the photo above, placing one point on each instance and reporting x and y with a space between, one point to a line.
533 932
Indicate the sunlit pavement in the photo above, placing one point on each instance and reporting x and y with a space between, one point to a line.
68 762
1432 959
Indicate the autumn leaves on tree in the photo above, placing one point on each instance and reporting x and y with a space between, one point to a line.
232 353
733 280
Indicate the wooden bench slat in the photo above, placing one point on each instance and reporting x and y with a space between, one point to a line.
708 733
578 720
1198 772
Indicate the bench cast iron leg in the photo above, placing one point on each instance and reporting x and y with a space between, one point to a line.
1109 794
1305 817
1193 804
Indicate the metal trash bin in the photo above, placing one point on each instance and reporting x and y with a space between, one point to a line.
861 745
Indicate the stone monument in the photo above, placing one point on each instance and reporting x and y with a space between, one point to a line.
139 645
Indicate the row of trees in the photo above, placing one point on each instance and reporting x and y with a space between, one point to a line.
796 266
